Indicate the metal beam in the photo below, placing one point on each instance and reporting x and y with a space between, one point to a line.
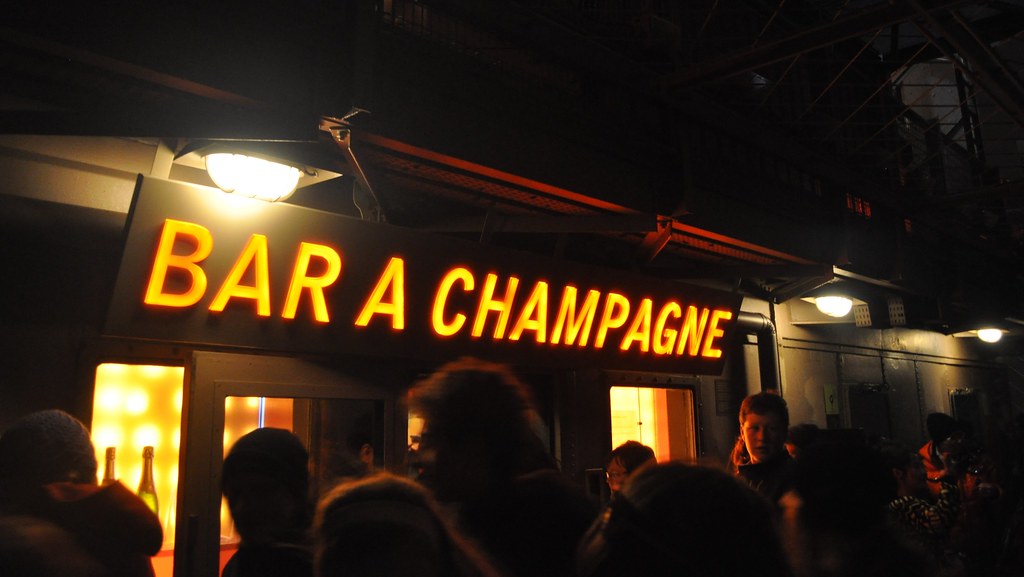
533 29
637 223
783 271
982 66
859 24
1007 190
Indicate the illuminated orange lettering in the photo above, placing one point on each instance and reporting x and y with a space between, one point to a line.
640 329
315 284
534 316
166 259
487 303
616 311
567 317
713 333
393 278
692 331
665 337
254 253
442 328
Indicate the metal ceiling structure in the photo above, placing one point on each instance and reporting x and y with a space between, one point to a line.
873 142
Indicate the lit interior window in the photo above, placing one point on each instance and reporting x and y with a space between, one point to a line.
662 419
136 406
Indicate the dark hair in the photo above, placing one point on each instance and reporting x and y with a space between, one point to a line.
479 400
843 487
631 455
680 519
275 453
897 456
359 520
803 435
764 403
940 426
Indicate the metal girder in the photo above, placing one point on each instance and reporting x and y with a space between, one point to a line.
646 223
858 24
752 271
985 69
1007 190
655 240
531 28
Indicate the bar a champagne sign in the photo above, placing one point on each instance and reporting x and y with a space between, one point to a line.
206 268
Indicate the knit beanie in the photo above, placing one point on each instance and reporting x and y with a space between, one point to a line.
276 453
47 447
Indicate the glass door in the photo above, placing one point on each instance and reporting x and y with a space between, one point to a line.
346 423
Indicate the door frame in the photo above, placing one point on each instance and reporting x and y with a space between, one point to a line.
211 377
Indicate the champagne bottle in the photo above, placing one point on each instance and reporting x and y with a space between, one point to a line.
147 489
108 467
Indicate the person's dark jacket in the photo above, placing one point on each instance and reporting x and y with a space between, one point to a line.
109 522
771 478
533 527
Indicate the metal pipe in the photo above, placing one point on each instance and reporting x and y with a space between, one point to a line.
767 347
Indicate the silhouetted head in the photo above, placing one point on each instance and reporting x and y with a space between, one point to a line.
266 482
843 487
44 447
940 426
680 519
623 460
388 526
478 423
800 437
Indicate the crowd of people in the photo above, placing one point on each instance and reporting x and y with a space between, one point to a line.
488 500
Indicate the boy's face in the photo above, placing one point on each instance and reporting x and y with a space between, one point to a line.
764 436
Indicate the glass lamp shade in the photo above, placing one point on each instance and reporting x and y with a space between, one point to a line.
834 306
252 177
990 335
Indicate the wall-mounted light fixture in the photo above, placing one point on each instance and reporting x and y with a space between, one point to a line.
990 335
266 170
252 176
834 305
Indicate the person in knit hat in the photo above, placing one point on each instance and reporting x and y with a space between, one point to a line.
48 472
266 482
42 448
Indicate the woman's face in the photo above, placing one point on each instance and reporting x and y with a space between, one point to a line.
763 435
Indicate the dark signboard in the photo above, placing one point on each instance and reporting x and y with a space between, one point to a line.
203 267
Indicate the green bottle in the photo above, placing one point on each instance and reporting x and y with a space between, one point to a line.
147 489
109 477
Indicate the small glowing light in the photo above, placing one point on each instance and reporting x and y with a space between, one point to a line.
107 370
252 402
109 399
136 403
146 435
990 335
834 306
106 436
252 177
153 371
